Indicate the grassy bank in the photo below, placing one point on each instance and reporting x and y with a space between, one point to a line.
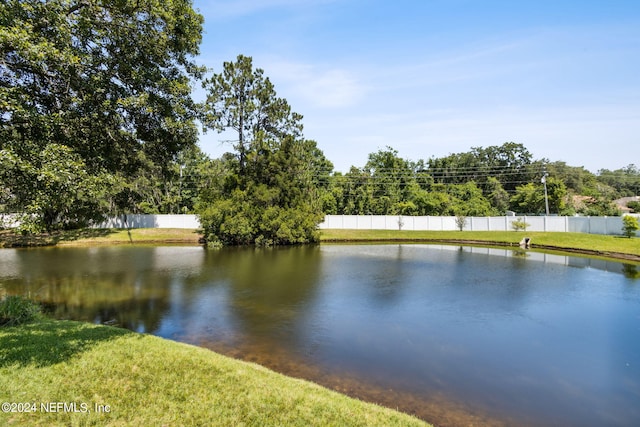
9 238
140 235
110 376
590 244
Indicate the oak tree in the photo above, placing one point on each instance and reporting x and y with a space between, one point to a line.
101 80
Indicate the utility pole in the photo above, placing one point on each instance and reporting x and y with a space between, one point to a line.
180 186
546 198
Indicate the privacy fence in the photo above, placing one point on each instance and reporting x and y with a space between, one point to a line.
592 225
151 221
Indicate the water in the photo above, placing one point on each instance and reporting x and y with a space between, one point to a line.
457 336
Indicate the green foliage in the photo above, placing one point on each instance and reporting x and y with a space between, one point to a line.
629 225
275 212
433 203
61 193
461 222
578 179
108 80
467 200
529 198
625 181
392 179
506 176
519 225
276 185
16 310
175 187
599 207
242 99
497 195
635 206
509 163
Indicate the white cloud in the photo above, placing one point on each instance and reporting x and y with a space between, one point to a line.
314 85
333 88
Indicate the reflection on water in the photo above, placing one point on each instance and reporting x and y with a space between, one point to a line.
455 335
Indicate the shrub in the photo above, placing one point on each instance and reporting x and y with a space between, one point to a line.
16 310
629 225
461 221
235 221
635 206
519 224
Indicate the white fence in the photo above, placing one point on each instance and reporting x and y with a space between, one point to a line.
592 225
9 221
151 221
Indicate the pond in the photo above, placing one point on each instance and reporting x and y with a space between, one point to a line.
455 335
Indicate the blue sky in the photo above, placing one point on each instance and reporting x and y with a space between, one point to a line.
433 77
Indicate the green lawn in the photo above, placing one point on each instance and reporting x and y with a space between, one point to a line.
148 381
89 236
139 235
589 243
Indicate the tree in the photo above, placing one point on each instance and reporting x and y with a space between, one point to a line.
509 163
629 225
61 193
270 196
529 198
467 200
176 187
357 192
461 222
242 99
109 80
600 207
578 179
626 181
433 203
497 195
392 179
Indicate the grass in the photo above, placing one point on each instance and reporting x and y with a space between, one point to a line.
140 235
147 380
16 310
89 236
592 244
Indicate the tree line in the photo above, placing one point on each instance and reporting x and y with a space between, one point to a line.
482 182
97 118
